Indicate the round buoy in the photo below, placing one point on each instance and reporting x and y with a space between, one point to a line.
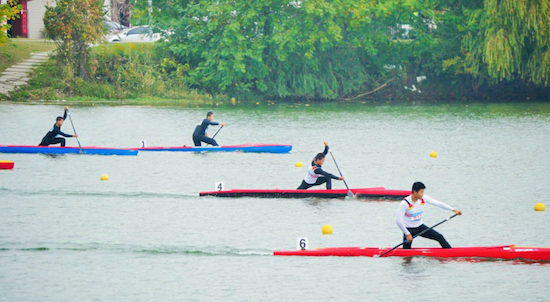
299 164
104 177
540 207
327 229
433 154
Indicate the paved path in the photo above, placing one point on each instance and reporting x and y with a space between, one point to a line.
18 74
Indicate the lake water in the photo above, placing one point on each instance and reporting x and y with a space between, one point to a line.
146 235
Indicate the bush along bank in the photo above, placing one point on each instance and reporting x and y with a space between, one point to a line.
117 72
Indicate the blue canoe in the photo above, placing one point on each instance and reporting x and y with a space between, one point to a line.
239 148
65 150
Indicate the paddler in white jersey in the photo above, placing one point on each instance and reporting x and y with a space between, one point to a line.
409 216
315 175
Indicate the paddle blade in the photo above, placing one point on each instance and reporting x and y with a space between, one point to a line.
351 195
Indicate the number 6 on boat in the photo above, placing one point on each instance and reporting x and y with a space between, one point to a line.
301 242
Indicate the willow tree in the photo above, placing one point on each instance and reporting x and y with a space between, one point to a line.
75 25
507 40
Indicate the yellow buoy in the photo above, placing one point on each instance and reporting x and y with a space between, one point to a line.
327 229
540 207
233 101
433 154
104 177
299 164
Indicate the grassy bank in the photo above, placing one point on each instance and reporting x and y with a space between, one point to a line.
18 50
123 74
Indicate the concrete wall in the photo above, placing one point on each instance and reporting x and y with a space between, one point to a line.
35 13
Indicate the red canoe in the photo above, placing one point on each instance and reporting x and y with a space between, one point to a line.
495 252
339 193
6 165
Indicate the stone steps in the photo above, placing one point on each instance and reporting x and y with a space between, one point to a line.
18 74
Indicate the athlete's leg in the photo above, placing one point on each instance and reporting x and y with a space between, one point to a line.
59 140
53 141
431 234
304 186
319 181
434 235
406 245
208 140
414 231
329 183
196 141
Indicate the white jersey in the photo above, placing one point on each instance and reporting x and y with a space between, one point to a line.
409 214
311 177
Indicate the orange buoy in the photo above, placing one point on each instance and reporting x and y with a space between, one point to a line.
6 164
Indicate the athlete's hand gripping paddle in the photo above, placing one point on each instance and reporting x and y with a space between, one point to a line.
350 194
71 119
393 248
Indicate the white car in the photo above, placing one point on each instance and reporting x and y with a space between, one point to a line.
113 27
134 34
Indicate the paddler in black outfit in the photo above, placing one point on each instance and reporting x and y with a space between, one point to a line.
316 175
200 134
52 137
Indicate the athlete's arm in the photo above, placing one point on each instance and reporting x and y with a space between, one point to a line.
65 134
320 171
401 216
325 152
437 203
56 131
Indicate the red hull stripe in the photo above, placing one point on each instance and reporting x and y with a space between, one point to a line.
494 252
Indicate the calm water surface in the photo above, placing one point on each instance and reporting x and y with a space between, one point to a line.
145 235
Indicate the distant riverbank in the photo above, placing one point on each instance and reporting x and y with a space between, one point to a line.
139 74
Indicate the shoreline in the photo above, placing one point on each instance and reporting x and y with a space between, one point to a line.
161 102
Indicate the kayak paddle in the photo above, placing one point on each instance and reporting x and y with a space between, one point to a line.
350 194
71 119
393 248
217 132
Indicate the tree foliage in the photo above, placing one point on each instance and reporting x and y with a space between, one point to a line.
8 11
330 49
514 40
503 41
282 48
75 25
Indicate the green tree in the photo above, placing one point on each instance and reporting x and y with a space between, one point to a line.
282 48
75 25
8 11
506 40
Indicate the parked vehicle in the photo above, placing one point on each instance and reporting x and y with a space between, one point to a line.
113 27
135 34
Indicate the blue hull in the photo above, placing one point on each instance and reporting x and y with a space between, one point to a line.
257 148
66 150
